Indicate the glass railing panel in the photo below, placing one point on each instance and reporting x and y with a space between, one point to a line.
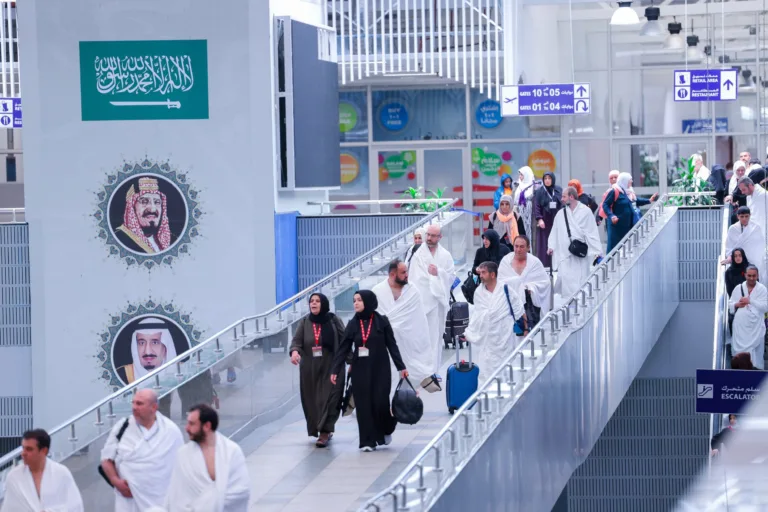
415 488
267 384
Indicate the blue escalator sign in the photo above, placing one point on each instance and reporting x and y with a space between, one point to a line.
727 391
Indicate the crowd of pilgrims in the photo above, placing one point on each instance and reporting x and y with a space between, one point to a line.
397 332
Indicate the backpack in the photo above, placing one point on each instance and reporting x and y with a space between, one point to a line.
601 212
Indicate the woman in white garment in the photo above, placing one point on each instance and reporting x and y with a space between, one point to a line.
523 198
418 239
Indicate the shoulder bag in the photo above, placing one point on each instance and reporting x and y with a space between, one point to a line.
576 247
519 322
119 436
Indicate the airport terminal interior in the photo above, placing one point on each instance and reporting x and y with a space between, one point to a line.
552 213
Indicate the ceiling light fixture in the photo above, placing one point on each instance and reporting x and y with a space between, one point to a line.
674 40
652 27
693 52
624 15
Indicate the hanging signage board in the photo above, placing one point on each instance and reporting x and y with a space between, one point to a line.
10 112
545 99
706 85
705 125
727 391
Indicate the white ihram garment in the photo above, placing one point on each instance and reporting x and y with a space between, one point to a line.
435 292
749 322
534 277
751 238
758 207
192 489
491 326
572 271
58 492
143 458
409 323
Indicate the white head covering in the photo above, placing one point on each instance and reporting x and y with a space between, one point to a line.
151 325
614 173
735 177
525 184
506 198
624 180
421 232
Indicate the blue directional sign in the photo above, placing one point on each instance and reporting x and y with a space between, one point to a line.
705 125
706 85
545 99
727 391
10 112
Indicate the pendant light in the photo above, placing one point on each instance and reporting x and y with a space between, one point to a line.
674 40
692 41
624 15
652 27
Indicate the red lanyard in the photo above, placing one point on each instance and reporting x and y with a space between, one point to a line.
364 334
317 330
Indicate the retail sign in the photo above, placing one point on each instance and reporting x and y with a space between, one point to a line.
393 116
705 125
727 391
545 99
488 114
10 112
706 85
132 80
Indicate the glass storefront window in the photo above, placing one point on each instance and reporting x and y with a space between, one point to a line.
419 114
354 179
353 116
396 174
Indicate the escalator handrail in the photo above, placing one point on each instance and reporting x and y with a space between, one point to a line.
211 341
647 221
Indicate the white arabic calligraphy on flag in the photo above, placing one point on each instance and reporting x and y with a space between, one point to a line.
161 74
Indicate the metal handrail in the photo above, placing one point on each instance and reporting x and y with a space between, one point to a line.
439 202
213 340
631 239
13 212
721 322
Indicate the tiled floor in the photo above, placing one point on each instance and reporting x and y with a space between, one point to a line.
290 475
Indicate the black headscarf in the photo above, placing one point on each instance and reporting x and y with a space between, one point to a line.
369 301
545 194
325 310
493 248
734 276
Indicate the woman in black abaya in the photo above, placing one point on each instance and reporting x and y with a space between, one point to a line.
370 338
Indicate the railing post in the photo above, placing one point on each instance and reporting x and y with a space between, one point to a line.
218 346
543 340
467 433
110 410
72 436
437 457
98 417
178 370
454 445
421 487
511 376
157 383
589 285
498 387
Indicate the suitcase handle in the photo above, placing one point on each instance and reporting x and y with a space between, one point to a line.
458 355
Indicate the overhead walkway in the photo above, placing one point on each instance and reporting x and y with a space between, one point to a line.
537 418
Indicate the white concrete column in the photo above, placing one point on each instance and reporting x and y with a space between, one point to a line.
539 35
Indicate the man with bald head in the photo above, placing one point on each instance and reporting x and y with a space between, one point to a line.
139 455
432 273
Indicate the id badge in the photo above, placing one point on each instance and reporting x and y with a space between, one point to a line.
552 205
317 351
362 352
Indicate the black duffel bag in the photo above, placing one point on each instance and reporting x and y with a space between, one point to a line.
407 407
469 287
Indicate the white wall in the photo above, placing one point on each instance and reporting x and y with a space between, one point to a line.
77 286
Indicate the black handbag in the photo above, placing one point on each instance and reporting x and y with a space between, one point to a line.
347 404
577 247
119 436
407 407
468 287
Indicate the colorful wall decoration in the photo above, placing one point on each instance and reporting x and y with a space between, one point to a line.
353 117
430 114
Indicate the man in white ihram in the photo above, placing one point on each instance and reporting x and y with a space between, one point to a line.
491 324
139 464
401 303
747 235
573 270
525 273
757 201
432 273
40 484
210 473
748 305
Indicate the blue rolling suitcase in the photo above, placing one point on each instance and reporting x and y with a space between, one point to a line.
462 381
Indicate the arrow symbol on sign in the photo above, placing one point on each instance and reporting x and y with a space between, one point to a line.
581 90
167 103
583 105
728 84
510 100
